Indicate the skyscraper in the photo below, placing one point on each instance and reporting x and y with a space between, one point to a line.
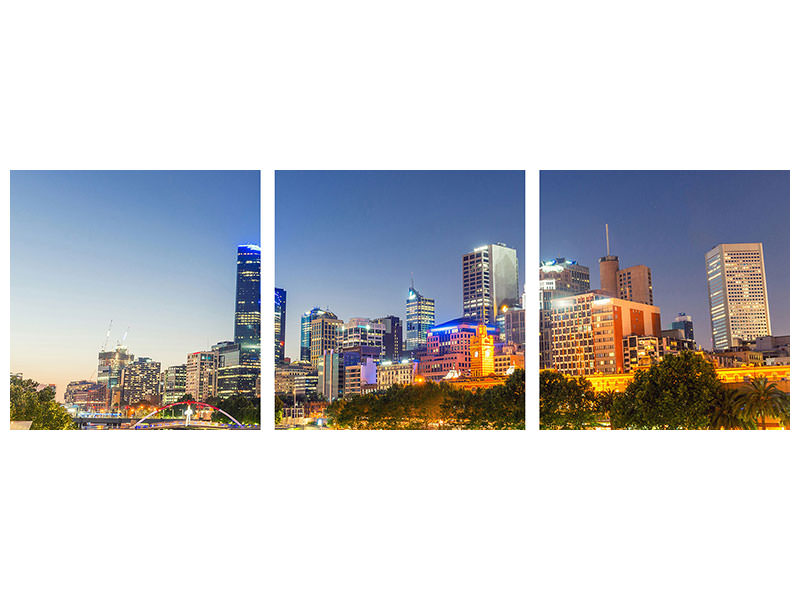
558 278
247 322
139 381
419 318
280 325
685 324
393 338
490 281
200 375
174 384
326 331
737 294
305 330
635 284
247 327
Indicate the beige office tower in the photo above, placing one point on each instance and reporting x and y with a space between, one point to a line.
326 334
635 284
200 375
737 294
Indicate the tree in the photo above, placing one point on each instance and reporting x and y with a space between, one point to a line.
762 399
39 407
676 393
278 409
726 414
566 402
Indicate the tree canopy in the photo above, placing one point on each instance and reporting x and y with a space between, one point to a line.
434 406
39 407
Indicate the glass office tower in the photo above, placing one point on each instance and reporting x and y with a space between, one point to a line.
419 319
280 325
247 322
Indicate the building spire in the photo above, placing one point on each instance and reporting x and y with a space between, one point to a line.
608 249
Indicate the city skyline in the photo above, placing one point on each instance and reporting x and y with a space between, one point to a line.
154 251
668 221
349 241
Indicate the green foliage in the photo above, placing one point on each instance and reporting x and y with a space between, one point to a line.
244 409
434 406
726 413
39 407
567 402
677 393
761 399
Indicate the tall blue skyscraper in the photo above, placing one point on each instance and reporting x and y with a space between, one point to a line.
280 325
419 319
247 321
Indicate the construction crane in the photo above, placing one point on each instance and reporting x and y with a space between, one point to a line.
108 333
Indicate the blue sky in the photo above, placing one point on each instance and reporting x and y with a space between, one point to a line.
668 220
154 251
349 240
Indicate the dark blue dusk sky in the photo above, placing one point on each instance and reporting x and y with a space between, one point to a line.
668 220
349 240
154 251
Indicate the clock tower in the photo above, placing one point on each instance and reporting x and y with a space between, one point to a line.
481 353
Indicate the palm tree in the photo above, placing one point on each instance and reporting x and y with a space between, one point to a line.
760 400
726 412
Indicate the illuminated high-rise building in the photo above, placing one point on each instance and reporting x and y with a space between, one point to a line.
490 276
420 315
247 324
393 338
588 332
326 333
363 332
737 294
139 381
280 325
234 371
174 384
200 375
305 330
558 278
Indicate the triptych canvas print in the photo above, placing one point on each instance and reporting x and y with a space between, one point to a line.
400 300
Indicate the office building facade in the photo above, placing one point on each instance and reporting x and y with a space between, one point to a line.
420 317
326 334
305 330
174 386
490 280
247 322
280 325
737 294
140 381
200 375
558 278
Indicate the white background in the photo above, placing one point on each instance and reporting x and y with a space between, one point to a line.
362 85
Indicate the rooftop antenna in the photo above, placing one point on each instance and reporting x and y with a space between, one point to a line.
608 250
412 279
